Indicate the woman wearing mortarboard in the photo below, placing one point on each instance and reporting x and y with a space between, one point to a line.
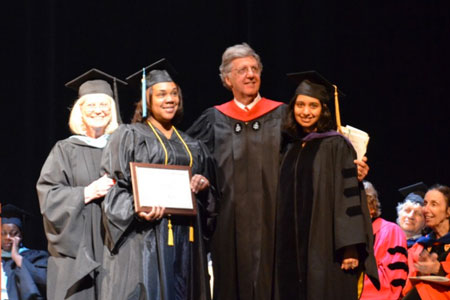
323 229
70 191
154 256
23 270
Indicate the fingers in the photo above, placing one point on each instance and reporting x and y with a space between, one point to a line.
199 183
349 264
156 213
363 169
98 188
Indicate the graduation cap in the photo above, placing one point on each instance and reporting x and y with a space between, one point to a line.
159 71
95 81
12 214
414 192
311 83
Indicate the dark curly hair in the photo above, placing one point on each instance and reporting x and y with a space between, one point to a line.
137 117
325 122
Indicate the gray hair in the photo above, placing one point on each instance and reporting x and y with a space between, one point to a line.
233 52
372 198
401 206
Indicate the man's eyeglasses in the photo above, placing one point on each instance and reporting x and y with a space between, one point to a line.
245 70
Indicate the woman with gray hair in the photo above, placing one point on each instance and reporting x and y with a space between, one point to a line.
390 253
410 217
70 191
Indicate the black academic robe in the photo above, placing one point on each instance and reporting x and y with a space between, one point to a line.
246 146
321 209
73 229
141 261
27 282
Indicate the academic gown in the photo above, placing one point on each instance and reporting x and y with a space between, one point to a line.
142 263
392 262
73 229
426 290
246 146
28 281
321 209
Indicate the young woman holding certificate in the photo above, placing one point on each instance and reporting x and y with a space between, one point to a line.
153 254
323 229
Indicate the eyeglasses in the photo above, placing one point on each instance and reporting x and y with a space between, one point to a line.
104 106
246 70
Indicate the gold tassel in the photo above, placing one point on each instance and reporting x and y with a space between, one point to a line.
170 238
191 234
360 284
336 106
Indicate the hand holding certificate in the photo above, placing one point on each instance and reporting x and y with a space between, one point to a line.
162 185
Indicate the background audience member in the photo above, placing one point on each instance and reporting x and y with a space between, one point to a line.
410 217
390 253
430 254
24 271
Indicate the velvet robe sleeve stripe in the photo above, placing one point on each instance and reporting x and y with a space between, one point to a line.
392 265
348 197
398 266
398 249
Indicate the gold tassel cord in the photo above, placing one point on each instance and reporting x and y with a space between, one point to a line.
160 141
191 234
360 284
166 159
336 105
170 237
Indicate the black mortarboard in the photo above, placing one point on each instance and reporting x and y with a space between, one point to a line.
311 83
12 214
95 81
414 192
159 71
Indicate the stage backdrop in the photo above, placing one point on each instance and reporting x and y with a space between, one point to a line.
391 59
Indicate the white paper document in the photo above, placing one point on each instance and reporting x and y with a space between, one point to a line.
164 187
358 138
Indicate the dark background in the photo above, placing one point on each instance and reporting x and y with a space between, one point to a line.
391 58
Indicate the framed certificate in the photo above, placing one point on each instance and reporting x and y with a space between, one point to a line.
163 185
